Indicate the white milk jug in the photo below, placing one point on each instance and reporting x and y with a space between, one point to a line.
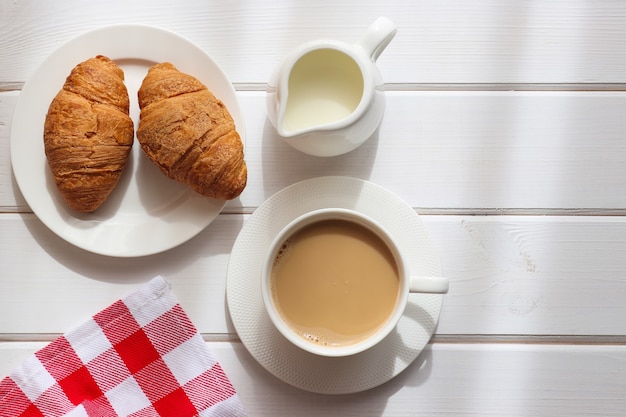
326 98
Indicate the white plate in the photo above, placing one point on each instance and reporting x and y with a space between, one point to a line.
147 212
293 365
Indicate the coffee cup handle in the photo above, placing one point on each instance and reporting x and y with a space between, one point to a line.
432 285
377 37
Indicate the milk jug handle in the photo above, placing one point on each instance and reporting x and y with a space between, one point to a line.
377 37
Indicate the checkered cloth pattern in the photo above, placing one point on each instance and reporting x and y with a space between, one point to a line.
141 356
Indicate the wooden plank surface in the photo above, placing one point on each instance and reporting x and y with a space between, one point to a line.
510 275
446 379
504 129
556 41
453 150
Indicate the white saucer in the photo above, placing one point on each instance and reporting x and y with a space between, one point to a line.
293 365
147 212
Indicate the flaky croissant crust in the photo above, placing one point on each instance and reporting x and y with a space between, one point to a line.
88 133
189 133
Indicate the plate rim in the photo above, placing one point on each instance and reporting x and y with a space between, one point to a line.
63 220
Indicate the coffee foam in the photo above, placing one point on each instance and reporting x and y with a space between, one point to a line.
280 253
326 338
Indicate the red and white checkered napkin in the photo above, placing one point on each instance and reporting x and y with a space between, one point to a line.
141 356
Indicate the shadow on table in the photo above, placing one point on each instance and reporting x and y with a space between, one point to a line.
275 397
283 165
138 269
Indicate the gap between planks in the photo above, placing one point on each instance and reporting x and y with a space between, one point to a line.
437 211
487 211
447 87
496 87
579 340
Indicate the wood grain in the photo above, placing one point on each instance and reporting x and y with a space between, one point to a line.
510 275
451 41
451 380
455 150
504 129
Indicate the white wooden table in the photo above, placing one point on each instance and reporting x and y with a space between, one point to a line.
505 129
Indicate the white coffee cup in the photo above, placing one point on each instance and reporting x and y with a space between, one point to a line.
321 345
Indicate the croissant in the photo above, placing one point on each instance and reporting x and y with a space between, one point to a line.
88 133
189 134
